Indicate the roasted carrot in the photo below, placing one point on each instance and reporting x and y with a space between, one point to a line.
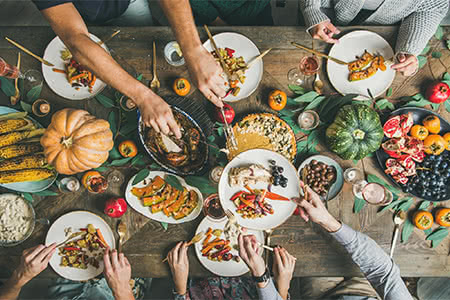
273 196
79 76
206 240
212 245
93 80
249 189
58 71
101 238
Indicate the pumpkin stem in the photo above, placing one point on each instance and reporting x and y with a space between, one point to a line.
359 134
66 142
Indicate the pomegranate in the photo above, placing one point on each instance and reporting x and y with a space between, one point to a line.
229 114
115 207
392 127
438 92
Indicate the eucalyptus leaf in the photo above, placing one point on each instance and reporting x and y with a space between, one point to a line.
28 197
101 169
389 92
316 102
288 112
137 160
105 101
435 243
139 78
422 61
436 54
447 105
290 101
391 205
7 86
46 193
435 106
26 107
112 122
117 95
385 103
220 132
128 128
154 166
446 76
407 230
114 153
296 89
374 178
358 205
428 231
308 97
406 204
141 175
448 44
174 182
164 225
439 34
424 205
211 138
202 183
314 136
425 50
34 93
420 103
418 96
120 162
438 234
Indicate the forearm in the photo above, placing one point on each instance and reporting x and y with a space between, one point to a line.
268 292
11 288
312 13
126 295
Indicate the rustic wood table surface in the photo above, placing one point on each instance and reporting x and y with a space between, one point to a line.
147 242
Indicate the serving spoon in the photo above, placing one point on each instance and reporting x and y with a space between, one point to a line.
399 219
154 84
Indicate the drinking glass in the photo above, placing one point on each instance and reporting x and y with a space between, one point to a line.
32 77
373 193
303 75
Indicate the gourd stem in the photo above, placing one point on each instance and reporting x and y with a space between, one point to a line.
67 142
359 134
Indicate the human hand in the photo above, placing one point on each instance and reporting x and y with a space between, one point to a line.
33 261
324 31
283 269
158 114
206 74
118 274
312 207
408 64
179 266
250 253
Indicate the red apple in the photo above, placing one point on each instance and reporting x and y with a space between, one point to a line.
115 207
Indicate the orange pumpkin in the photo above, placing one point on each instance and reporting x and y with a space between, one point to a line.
443 217
434 144
447 140
128 149
277 100
423 219
432 123
419 132
76 141
181 86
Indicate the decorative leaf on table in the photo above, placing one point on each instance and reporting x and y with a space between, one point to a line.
46 193
428 231
419 103
374 178
422 61
105 101
28 197
435 106
202 183
118 95
154 166
437 236
296 89
34 93
290 102
447 105
120 162
287 112
26 107
220 132
406 203
385 103
128 128
308 97
164 225
425 50
446 76
7 87
174 182
424 205
436 54
313 137
439 34
392 205
112 122
407 230
389 92
358 205
211 138
448 44
114 153
101 169
315 103
138 160
139 77
141 175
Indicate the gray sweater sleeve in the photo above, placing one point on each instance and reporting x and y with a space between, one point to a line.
269 292
417 28
312 13
375 264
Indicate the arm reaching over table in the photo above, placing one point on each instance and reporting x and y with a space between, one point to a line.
70 27
203 68
376 265
32 262
118 274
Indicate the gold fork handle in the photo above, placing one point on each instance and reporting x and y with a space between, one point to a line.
119 248
154 59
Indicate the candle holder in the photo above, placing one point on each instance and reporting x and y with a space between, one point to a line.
308 120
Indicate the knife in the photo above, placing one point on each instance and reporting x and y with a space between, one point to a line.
222 61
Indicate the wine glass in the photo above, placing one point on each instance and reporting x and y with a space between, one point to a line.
32 77
115 178
303 75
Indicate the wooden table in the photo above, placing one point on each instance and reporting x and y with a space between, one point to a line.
148 243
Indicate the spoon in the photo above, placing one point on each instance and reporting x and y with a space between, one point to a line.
154 84
399 218
16 96
121 230
318 84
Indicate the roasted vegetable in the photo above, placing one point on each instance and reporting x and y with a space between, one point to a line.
17 136
361 62
23 162
11 125
25 175
377 64
19 150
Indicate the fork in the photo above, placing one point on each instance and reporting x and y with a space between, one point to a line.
121 231
154 84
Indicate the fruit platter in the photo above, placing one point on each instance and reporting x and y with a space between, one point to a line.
414 153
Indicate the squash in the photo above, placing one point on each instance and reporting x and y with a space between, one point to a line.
355 132
76 141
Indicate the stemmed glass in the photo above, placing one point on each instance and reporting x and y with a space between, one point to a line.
33 77
303 75
372 193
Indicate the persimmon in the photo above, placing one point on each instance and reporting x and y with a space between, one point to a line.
128 149
277 100
423 219
434 144
419 132
443 217
447 140
181 86
432 123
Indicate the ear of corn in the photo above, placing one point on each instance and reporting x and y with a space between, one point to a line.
23 162
19 150
17 136
11 125
25 175
15 115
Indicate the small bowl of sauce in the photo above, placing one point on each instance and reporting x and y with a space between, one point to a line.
212 207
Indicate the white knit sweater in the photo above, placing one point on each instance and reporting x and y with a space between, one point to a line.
419 18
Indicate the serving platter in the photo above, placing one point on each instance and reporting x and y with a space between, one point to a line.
282 209
57 81
27 186
354 44
418 115
223 268
136 203
247 49
77 220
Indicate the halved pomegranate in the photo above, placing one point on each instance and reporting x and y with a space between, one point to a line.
392 127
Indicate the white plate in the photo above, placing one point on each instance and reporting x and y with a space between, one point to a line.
282 209
135 203
247 49
337 185
223 268
77 220
58 81
351 45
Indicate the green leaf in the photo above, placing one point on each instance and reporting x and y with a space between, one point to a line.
287 112
211 138
120 162
424 205
425 50
389 92
112 122
435 106
202 183
448 44
406 204
128 128
139 78
174 182
385 103
391 205
436 54
46 193
101 169
308 97
422 61
154 166
438 234
220 132
439 34
418 97
164 225
428 231
314 136
407 230
137 160
114 153
358 205
315 103
7 86
446 76
420 103
26 107
447 105
105 101
27 196
34 93
296 89
374 178
141 175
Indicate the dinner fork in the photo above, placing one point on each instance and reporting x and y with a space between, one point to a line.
121 231
154 84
